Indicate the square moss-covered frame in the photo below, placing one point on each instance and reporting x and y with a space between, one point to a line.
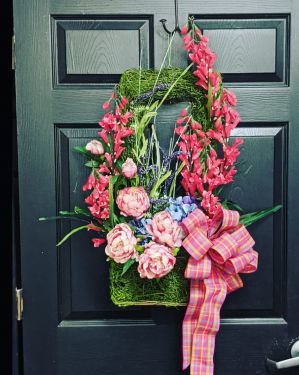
173 289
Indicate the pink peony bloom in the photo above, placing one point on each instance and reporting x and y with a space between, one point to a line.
95 147
129 168
165 230
121 243
156 261
133 201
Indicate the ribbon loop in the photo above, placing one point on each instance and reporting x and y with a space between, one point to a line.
223 248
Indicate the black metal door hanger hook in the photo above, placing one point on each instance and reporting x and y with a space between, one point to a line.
177 27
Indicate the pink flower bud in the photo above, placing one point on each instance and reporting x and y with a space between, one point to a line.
95 147
124 101
129 168
97 242
184 30
184 112
106 106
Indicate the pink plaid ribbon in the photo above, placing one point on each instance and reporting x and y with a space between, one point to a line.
219 249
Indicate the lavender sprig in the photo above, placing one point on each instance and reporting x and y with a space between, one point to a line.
151 93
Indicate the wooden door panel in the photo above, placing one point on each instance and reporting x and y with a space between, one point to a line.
240 40
69 55
97 49
260 183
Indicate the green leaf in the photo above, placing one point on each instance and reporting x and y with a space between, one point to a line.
210 92
112 216
252 217
119 165
82 211
82 150
139 248
231 205
75 230
92 164
66 213
175 251
127 265
158 183
173 182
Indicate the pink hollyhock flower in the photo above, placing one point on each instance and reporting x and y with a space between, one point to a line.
98 200
129 168
210 202
106 106
184 30
97 242
95 147
124 101
156 261
90 184
91 226
121 243
133 201
108 122
165 230
184 112
229 97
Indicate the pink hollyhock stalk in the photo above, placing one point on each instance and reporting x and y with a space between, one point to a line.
156 261
205 169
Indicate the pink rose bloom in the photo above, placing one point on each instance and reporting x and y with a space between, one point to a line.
165 230
129 168
95 147
156 261
133 201
121 243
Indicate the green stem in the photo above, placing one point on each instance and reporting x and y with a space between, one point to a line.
174 83
62 218
161 67
75 230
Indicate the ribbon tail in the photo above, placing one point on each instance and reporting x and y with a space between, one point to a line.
204 335
197 293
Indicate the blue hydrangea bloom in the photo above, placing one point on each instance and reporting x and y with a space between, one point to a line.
139 224
181 207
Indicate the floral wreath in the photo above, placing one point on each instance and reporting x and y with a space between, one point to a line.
148 204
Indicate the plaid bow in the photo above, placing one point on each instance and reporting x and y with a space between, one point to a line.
219 249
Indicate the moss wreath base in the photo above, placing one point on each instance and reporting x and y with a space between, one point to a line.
173 289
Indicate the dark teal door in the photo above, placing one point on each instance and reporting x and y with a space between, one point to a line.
68 56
